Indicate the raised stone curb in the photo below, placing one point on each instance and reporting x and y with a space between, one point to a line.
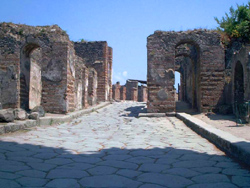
236 147
21 125
151 115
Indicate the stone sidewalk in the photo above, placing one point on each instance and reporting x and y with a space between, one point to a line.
114 148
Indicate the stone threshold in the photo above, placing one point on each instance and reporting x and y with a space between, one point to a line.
48 120
236 147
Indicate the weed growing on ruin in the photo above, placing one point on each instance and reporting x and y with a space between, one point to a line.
236 24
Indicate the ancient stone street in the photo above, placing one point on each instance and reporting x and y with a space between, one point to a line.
114 148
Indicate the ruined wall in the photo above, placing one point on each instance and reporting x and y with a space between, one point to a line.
35 90
92 87
134 93
129 88
123 93
98 56
242 56
109 72
210 66
142 93
18 58
116 91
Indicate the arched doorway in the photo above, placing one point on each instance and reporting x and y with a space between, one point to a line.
187 61
238 83
30 76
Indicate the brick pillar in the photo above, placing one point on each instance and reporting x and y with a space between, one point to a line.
134 94
123 93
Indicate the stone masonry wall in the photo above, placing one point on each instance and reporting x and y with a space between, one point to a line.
129 88
98 55
92 87
116 91
123 93
142 93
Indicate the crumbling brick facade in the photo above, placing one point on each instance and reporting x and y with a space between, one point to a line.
204 69
39 67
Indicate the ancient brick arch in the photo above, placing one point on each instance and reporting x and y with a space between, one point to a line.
209 75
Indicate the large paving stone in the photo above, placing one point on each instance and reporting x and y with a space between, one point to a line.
147 185
63 183
119 164
41 166
59 161
128 173
241 181
13 167
213 185
6 175
153 167
32 173
211 178
90 160
102 170
27 181
8 184
117 157
78 166
108 181
213 170
140 160
184 172
164 179
66 173
193 164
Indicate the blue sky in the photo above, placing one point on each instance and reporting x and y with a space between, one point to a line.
124 24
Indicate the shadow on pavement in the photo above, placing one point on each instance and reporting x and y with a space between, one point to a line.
135 110
38 166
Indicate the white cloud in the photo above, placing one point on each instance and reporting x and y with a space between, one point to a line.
125 73
120 76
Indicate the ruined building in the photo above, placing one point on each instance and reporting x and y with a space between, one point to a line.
130 91
40 66
211 75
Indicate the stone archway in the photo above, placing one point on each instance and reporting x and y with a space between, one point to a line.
188 55
238 83
30 76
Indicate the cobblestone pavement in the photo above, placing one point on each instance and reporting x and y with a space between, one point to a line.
113 148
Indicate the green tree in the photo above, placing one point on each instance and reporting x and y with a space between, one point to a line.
236 24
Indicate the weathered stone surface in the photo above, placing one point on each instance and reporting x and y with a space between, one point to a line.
20 114
165 180
34 115
63 183
6 115
108 181
40 111
210 178
8 183
102 170
66 173
27 181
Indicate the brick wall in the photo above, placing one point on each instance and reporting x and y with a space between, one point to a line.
98 56
116 91
210 65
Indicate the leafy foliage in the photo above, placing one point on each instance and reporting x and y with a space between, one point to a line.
236 24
